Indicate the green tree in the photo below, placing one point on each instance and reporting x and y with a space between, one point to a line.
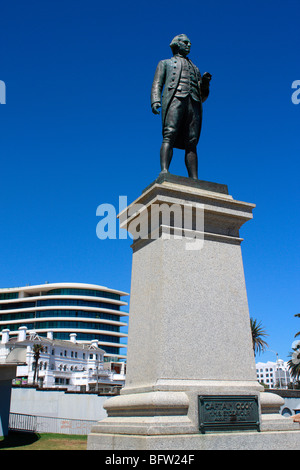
258 333
37 350
294 362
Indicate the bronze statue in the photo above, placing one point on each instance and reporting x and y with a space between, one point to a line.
184 92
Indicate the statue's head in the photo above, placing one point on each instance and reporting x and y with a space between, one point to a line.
181 44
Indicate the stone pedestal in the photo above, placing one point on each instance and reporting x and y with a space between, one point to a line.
7 374
189 327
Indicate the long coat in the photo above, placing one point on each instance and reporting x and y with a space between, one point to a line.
167 77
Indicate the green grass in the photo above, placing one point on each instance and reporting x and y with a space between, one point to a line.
16 440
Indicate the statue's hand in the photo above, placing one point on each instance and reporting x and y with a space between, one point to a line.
155 108
207 76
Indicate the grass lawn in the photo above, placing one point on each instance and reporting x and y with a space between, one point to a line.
34 441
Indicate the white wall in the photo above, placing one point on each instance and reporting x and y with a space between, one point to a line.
57 404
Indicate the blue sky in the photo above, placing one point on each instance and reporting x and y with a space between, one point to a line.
77 131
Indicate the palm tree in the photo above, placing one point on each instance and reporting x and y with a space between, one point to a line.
259 344
297 334
294 362
37 350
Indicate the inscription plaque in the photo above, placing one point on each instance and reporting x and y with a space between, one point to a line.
228 413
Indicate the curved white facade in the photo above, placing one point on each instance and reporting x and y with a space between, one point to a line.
91 311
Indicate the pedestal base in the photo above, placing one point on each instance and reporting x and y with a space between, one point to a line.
164 420
281 440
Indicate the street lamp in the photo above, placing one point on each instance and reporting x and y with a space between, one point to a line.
277 366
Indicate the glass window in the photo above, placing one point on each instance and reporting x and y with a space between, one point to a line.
17 305
72 314
89 292
76 302
9 295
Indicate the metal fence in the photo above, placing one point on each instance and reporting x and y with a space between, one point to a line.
48 424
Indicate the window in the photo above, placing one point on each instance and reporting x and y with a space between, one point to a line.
88 292
286 412
9 295
17 305
61 381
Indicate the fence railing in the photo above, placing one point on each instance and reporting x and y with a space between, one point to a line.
49 424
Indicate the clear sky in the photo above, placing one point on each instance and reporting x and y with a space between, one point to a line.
77 131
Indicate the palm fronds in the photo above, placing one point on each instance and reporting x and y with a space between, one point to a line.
259 344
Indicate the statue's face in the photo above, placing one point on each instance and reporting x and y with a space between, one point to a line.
184 45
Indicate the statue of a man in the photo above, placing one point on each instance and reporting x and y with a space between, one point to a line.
184 92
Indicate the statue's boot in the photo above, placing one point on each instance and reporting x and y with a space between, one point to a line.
166 154
191 162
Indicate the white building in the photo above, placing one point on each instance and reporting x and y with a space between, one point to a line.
63 364
273 374
90 310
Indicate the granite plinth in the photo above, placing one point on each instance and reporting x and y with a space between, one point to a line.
188 182
189 327
281 440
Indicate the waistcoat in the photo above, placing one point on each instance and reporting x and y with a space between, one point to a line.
188 84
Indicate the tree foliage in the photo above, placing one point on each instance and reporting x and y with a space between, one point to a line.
258 333
294 362
37 350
